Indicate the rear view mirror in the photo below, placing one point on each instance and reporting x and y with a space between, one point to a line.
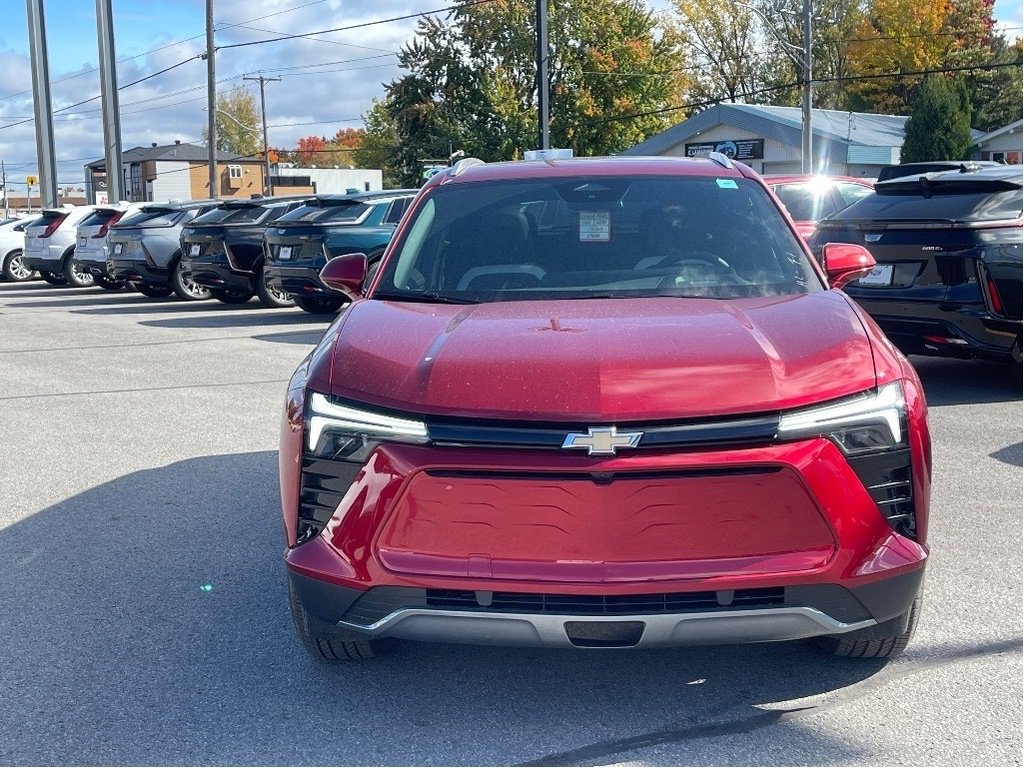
846 262
345 274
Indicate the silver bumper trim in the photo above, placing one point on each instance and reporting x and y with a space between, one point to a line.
659 630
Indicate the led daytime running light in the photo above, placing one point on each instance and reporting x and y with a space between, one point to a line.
886 405
326 415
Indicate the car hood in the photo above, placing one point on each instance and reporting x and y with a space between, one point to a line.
600 360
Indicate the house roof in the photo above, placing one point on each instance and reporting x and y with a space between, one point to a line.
192 153
1011 128
782 124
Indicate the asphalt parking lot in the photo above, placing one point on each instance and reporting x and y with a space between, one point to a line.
144 619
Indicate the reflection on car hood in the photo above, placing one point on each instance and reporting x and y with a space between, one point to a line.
602 360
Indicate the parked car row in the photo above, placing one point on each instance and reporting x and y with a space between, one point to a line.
229 250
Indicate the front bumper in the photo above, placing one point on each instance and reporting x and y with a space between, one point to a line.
713 618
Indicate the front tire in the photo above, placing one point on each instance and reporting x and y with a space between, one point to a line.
74 274
184 288
883 641
324 643
14 268
318 305
52 278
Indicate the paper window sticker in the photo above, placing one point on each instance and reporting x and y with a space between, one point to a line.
595 226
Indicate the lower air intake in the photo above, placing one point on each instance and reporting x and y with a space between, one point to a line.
604 634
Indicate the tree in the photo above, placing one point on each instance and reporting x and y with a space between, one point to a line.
380 140
237 124
895 36
939 127
471 86
308 149
725 45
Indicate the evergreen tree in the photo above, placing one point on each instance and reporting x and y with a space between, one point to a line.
939 127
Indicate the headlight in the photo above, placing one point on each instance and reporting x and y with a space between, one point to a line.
340 431
872 421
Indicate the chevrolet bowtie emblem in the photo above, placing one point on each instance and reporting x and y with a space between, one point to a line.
602 441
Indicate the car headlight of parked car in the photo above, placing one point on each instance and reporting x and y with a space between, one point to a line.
873 421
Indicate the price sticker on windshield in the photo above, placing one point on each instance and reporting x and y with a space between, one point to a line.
595 226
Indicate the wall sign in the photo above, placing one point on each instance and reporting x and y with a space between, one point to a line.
737 149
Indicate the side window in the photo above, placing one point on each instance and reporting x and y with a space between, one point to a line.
394 214
851 193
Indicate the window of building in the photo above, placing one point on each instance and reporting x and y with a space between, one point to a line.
234 171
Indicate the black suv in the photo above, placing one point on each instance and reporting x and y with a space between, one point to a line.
223 250
301 242
948 253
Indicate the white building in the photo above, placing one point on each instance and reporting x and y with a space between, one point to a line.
1004 145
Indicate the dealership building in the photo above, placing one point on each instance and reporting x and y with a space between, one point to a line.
768 139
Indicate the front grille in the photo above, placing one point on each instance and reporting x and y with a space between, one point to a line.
596 605
888 479
323 483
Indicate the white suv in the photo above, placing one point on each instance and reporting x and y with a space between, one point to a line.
50 246
90 256
12 243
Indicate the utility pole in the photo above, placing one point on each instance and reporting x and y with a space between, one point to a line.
3 180
108 90
543 129
43 109
263 108
802 59
806 138
211 100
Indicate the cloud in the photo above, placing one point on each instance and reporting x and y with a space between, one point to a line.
327 81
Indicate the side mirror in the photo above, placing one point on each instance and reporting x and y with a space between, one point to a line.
345 274
846 262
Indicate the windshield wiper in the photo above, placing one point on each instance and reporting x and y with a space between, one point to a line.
430 297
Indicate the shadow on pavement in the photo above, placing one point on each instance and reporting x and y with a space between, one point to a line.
960 382
145 621
308 338
233 319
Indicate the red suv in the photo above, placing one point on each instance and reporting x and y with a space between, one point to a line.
607 402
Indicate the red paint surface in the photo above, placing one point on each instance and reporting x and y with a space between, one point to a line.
603 360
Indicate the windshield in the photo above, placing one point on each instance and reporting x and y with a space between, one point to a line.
596 237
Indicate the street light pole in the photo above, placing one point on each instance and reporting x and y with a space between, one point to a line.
543 128
269 188
211 101
801 57
806 149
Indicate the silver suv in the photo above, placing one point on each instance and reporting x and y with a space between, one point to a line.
144 248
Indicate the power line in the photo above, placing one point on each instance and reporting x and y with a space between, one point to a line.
363 25
170 45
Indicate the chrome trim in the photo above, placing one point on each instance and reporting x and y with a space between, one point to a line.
660 630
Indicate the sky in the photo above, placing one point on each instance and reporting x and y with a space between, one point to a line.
328 80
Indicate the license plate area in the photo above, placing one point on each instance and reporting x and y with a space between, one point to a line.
194 250
880 276
285 253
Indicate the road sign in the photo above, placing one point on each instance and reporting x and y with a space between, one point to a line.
31 181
